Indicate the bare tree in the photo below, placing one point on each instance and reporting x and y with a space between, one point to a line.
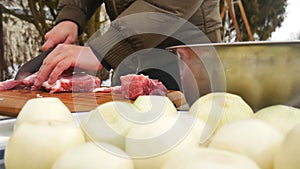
40 13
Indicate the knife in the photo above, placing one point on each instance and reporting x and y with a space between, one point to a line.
32 65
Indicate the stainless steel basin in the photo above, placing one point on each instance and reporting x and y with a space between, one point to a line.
263 73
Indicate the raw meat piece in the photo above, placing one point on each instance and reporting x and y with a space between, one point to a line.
115 89
103 89
29 80
9 84
133 85
75 83
158 88
25 83
67 82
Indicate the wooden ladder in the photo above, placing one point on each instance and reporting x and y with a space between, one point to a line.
228 6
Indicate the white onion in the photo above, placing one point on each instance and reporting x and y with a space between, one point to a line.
282 117
152 145
288 156
251 137
92 156
208 158
155 105
46 108
225 106
106 123
36 145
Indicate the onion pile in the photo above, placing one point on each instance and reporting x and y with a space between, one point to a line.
150 134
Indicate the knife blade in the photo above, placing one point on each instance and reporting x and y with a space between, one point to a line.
32 65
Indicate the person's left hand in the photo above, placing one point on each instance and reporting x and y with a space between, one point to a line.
64 32
65 56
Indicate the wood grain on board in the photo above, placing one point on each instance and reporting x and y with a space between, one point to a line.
12 101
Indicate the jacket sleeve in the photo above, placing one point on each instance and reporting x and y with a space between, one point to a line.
145 24
78 11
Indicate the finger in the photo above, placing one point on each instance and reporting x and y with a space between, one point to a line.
50 43
70 40
58 70
42 76
48 64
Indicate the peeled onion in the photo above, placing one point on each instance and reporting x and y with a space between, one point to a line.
155 105
208 158
282 117
46 108
92 156
251 137
152 145
107 124
36 145
224 106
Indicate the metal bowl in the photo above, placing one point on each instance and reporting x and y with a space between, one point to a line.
263 73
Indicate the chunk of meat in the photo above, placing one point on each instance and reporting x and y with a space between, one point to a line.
133 85
67 82
158 88
115 89
10 84
75 83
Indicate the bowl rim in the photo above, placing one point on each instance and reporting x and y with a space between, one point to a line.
244 43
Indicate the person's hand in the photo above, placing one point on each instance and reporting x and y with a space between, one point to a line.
64 32
63 57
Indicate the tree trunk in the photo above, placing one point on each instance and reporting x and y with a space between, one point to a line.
2 62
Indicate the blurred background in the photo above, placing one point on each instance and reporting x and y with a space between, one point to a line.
23 24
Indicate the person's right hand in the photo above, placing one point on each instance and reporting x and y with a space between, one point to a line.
63 57
65 32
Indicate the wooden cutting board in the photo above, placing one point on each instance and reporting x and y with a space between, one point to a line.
12 101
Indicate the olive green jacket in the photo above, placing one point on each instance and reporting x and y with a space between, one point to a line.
142 30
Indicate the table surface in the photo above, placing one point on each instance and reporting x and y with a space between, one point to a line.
4 117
